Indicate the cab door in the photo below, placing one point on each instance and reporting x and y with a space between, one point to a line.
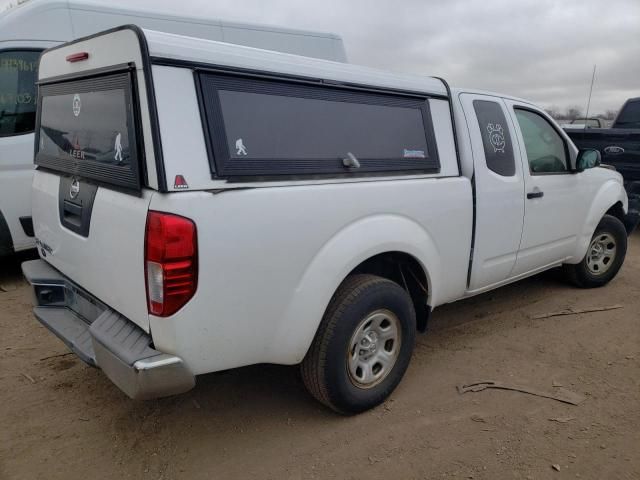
499 186
557 198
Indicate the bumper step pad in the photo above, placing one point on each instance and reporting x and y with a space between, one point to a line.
69 328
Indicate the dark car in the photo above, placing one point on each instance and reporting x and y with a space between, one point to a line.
585 123
619 147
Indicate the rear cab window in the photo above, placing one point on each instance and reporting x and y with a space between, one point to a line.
87 128
496 140
261 127
18 74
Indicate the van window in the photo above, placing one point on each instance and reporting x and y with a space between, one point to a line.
546 150
86 128
18 74
496 141
263 127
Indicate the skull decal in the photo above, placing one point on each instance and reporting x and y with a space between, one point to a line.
496 137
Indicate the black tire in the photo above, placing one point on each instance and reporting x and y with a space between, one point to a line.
325 369
581 275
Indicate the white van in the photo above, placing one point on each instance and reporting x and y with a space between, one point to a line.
27 30
201 206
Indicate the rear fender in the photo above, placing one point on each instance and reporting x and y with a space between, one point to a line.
347 249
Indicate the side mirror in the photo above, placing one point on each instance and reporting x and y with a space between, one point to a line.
588 159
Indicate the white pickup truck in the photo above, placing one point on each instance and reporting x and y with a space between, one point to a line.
200 206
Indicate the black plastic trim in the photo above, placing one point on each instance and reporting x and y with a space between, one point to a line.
75 213
453 124
6 241
153 110
27 226
203 121
87 74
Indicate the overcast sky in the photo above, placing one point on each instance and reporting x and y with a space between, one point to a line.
543 50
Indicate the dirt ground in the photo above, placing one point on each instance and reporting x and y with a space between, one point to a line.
60 419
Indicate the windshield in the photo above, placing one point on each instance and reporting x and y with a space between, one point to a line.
18 74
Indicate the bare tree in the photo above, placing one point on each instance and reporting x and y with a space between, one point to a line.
553 112
574 112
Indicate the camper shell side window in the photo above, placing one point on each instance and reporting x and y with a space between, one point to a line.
262 127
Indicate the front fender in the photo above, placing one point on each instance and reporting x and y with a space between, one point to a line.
610 193
343 252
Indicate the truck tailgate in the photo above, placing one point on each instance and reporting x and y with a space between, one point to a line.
109 261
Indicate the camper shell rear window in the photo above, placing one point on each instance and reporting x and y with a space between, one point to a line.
87 128
262 127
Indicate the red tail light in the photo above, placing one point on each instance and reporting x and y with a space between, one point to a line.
170 262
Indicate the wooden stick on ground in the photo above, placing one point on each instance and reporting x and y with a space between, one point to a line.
58 355
575 311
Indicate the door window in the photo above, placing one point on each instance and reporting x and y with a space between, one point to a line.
546 150
18 73
496 141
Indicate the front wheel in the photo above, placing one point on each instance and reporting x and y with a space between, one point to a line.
363 345
604 256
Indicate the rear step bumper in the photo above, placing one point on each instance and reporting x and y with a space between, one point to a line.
103 338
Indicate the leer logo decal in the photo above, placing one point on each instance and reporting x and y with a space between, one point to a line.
77 104
180 183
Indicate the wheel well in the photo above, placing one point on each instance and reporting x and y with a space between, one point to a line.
407 272
617 211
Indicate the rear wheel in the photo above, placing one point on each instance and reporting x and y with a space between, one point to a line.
363 345
604 256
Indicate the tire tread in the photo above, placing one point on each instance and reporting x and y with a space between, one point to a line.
313 365
578 274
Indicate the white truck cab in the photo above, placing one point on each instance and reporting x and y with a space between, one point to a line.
200 206
27 30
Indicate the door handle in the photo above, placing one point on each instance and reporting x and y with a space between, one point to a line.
535 194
